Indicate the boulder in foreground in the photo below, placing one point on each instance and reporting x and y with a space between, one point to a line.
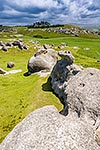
46 129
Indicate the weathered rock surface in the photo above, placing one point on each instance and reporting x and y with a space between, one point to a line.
79 91
97 135
42 60
46 129
66 55
62 72
83 94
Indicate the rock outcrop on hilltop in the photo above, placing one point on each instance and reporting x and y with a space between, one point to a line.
73 31
44 59
46 129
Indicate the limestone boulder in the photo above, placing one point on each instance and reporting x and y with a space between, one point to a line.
4 48
46 129
44 59
83 94
78 90
62 72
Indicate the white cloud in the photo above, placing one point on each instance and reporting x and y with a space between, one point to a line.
54 11
35 3
11 11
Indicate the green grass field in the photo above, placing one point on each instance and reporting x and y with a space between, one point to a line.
19 95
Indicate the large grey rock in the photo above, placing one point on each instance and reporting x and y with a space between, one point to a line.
42 60
83 94
46 129
78 90
62 72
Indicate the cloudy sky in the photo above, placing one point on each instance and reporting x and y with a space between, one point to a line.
21 12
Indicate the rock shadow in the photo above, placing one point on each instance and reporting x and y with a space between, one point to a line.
26 74
47 86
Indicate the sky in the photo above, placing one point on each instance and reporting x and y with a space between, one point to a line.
24 12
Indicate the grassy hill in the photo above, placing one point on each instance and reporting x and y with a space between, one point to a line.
19 95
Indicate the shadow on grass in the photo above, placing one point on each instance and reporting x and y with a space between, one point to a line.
47 86
26 74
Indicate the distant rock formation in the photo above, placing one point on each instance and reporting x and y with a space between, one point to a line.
16 43
73 31
44 59
20 44
46 129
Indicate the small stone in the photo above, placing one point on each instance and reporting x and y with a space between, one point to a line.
10 64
